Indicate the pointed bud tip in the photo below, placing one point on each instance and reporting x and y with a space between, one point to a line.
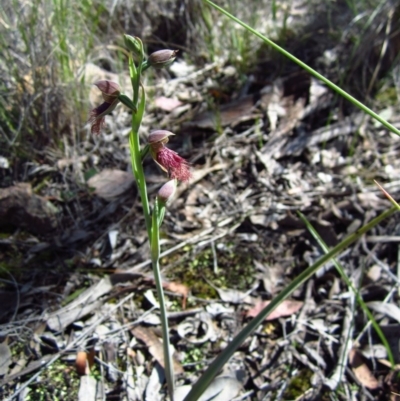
108 87
134 44
167 191
162 58
159 136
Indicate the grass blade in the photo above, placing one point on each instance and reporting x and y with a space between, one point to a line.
316 74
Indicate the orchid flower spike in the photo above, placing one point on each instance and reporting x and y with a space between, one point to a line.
110 92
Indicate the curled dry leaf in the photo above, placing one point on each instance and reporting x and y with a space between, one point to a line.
198 329
361 370
111 183
286 308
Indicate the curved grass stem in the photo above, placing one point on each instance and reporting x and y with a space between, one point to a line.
303 65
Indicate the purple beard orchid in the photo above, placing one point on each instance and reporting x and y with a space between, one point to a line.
168 160
110 92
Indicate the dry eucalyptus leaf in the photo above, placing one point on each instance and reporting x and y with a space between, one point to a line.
5 358
228 114
85 303
232 295
362 371
178 288
391 310
111 183
166 103
149 295
155 346
374 273
134 388
223 388
87 388
155 383
286 308
181 392
66 162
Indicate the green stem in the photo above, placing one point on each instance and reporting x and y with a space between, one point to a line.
201 385
136 160
152 222
308 69
138 74
155 259
133 75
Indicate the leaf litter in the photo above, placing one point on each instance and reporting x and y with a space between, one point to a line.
282 146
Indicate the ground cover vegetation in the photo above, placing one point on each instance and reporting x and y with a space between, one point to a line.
79 317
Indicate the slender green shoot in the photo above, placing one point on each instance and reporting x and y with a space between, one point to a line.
155 259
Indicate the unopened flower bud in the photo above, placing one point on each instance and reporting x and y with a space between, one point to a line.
162 58
167 191
134 44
